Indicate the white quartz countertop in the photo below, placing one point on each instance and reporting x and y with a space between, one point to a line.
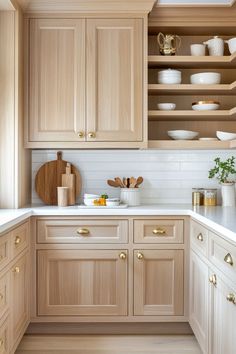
220 219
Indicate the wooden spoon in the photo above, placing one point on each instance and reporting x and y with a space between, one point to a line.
112 183
119 181
133 182
139 181
125 182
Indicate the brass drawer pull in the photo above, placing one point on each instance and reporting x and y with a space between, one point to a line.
231 298
122 255
159 231
228 259
140 255
200 237
81 134
83 232
1 342
16 270
213 279
17 240
92 135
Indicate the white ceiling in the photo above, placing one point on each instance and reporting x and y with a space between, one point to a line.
196 2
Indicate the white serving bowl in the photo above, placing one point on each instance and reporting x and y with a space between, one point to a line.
113 202
225 136
90 201
169 77
91 196
209 78
182 134
232 45
205 106
166 106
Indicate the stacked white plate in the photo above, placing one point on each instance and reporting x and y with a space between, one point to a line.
169 77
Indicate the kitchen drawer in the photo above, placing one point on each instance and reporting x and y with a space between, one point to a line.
4 294
4 250
159 231
19 239
199 237
4 336
223 255
82 231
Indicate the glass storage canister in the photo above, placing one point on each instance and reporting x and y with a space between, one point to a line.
210 197
197 196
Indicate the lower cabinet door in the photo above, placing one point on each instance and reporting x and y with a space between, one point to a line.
159 282
223 317
199 300
82 282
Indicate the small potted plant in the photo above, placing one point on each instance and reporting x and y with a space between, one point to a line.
223 172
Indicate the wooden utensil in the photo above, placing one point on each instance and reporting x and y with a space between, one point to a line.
139 181
48 178
125 182
112 183
119 181
68 180
133 182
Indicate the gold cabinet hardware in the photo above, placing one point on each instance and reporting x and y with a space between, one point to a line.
122 255
16 270
83 232
81 134
17 240
1 342
159 231
200 237
228 259
213 279
92 135
231 298
140 255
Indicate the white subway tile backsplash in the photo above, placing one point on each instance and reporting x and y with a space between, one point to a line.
169 176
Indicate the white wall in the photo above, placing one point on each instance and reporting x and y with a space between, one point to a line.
168 175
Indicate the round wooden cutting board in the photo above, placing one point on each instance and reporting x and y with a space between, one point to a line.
49 177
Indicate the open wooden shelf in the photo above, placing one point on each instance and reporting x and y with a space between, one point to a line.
188 61
191 144
218 115
189 89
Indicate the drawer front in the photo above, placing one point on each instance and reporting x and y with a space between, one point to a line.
19 239
82 231
158 231
4 337
199 237
4 250
223 255
4 294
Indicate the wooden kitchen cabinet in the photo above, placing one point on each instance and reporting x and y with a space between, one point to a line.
82 282
159 282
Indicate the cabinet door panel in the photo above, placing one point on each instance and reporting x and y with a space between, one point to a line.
82 282
114 79
159 282
56 79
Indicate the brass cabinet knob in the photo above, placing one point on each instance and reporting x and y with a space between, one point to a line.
140 255
200 237
83 232
1 342
122 255
228 259
231 298
159 231
17 240
213 279
16 270
92 135
81 134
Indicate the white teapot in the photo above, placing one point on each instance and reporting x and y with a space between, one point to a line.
215 46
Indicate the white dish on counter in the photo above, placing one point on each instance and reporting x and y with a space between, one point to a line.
182 134
166 106
205 106
225 136
169 77
91 196
120 206
208 78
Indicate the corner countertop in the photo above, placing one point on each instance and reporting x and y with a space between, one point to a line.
220 219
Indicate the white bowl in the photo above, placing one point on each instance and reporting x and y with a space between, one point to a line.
182 134
205 106
225 136
166 106
232 45
169 77
91 196
89 202
113 202
210 78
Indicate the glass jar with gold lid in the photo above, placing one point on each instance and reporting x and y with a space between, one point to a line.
210 197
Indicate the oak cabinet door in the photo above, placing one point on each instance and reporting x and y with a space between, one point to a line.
82 282
56 79
199 300
159 282
114 79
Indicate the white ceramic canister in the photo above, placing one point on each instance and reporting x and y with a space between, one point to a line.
198 49
130 196
232 45
215 46
228 194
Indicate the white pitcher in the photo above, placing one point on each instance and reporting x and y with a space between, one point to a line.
215 46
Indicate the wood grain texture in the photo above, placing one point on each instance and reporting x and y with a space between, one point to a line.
49 177
68 180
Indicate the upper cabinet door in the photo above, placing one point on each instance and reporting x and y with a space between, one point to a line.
114 79
56 105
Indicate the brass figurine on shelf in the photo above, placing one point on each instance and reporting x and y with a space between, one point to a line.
168 43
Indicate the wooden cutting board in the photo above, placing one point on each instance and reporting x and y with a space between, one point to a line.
49 177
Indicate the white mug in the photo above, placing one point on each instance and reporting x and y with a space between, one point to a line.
198 49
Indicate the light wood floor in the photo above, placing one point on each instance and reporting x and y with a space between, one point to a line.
109 344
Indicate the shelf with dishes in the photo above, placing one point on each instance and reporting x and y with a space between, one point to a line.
190 89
